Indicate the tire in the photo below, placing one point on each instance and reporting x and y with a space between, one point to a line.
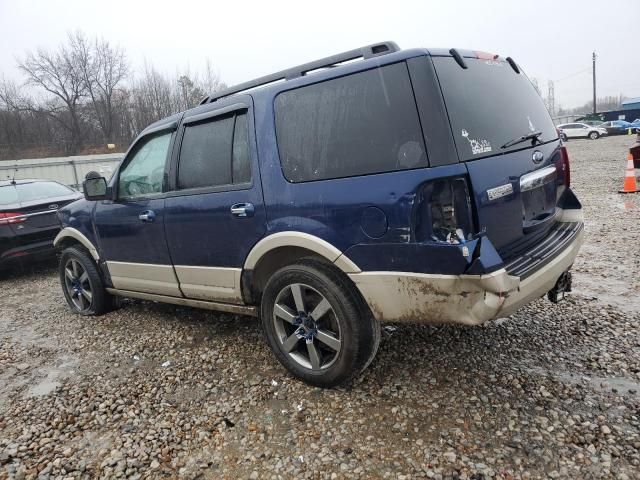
82 284
564 137
344 334
594 135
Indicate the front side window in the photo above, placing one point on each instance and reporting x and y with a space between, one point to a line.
360 124
215 153
144 173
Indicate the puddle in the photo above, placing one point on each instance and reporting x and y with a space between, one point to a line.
46 371
622 385
53 378
626 206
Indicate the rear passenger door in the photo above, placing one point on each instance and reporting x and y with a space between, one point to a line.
572 130
215 211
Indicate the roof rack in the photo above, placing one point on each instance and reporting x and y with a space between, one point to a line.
365 52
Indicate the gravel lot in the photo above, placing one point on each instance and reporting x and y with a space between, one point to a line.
162 391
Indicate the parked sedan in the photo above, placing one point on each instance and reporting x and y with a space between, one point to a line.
580 130
620 127
28 220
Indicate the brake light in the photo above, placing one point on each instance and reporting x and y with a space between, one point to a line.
486 55
10 218
445 215
566 168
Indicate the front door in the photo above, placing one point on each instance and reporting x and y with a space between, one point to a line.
131 227
215 213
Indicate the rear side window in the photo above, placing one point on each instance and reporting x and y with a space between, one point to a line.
215 153
355 125
489 105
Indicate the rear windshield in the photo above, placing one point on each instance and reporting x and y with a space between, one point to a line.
8 195
29 192
489 104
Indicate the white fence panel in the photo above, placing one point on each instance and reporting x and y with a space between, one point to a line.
67 170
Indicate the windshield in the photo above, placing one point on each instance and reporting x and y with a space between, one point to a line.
490 105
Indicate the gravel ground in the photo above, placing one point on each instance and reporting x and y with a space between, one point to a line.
159 391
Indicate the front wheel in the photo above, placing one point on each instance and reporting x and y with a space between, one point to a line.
317 325
81 283
594 135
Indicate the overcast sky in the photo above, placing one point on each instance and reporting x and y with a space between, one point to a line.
550 39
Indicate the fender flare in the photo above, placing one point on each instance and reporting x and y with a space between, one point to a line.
302 240
70 232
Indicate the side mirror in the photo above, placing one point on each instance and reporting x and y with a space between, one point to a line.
95 188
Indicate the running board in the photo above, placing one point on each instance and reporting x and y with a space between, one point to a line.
187 302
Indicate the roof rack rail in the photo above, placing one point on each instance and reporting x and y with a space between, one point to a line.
365 52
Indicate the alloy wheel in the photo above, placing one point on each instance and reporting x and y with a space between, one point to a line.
307 327
77 283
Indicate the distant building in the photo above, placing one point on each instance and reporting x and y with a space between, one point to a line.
631 104
630 111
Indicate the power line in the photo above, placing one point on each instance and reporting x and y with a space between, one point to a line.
573 75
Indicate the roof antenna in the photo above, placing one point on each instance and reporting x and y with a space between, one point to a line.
13 180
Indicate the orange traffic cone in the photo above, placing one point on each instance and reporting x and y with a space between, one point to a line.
629 177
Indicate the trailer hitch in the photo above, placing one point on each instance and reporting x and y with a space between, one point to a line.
562 286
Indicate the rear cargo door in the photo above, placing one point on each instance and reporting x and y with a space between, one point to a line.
507 139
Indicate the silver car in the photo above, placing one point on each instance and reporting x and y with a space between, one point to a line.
580 130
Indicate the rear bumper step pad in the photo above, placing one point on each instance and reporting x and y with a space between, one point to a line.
528 262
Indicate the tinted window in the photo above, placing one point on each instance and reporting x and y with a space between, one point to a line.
241 164
144 172
212 155
489 104
360 124
29 192
8 195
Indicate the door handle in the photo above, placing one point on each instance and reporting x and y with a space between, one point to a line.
147 216
242 210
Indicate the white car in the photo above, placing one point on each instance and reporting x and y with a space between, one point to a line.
580 130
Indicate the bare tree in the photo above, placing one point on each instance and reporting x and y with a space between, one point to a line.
59 74
211 81
83 95
104 68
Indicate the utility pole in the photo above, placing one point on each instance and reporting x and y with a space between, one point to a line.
594 82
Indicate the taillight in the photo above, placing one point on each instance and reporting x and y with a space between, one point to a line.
566 168
10 218
445 212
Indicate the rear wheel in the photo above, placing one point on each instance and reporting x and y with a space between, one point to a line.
317 325
82 285
594 135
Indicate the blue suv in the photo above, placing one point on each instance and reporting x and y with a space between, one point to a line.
376 185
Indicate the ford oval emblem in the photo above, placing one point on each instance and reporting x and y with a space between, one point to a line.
537 156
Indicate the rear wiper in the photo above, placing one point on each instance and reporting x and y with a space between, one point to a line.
533 136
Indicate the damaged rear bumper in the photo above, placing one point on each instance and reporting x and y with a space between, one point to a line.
463 299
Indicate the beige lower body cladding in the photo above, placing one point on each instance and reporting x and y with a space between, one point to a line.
463 299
